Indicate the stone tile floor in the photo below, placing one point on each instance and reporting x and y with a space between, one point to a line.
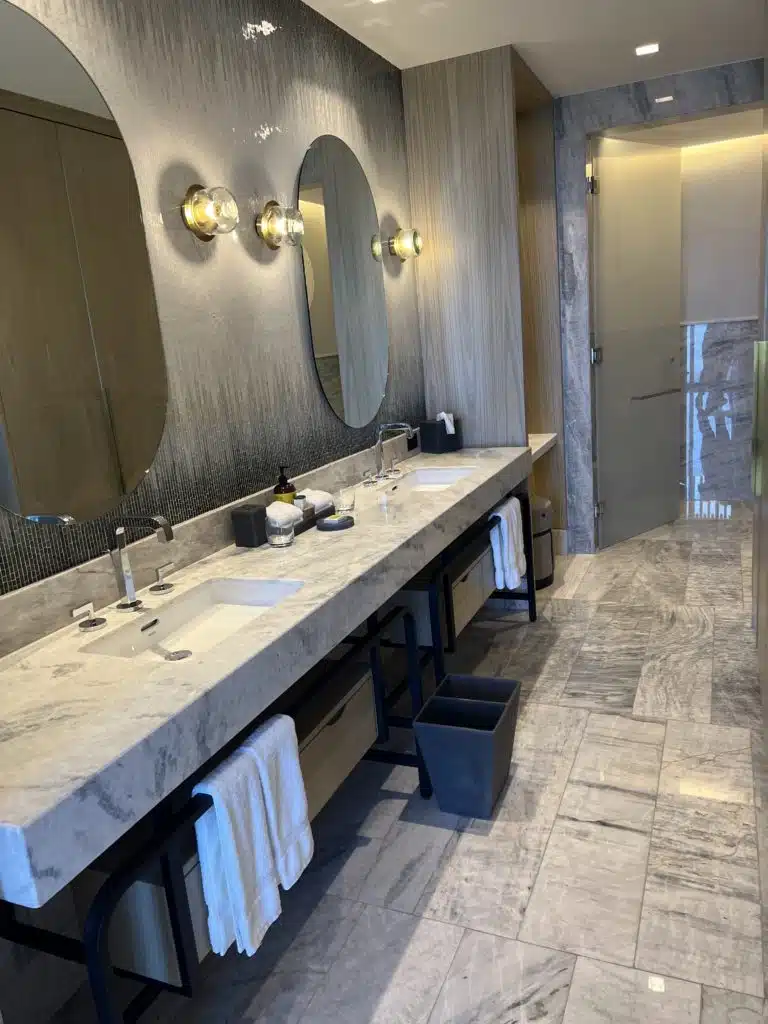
618 881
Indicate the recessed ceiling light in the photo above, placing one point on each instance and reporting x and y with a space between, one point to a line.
646 49
664 99
378 1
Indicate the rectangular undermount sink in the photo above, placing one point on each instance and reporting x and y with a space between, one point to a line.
195 621
436 478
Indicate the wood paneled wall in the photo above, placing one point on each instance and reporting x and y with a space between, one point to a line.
460 134
540 285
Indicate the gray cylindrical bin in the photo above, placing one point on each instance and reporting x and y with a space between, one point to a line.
543 544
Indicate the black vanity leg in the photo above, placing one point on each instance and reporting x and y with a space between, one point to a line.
379 695
530 573
97 962
417 695
435 594
172 870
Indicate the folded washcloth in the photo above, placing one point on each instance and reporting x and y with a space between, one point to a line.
284 513
507 545
240 880
322 500
275 751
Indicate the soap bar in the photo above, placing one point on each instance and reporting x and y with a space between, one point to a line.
338 521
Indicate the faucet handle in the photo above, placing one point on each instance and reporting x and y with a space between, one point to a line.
87 618
161 587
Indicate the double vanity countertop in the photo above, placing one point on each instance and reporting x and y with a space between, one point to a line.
92 741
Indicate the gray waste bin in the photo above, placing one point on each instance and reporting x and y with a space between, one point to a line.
543 544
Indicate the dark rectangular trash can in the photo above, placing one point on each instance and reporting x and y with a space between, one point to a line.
465 733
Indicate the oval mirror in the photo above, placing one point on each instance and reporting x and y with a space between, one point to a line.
83 388
345 281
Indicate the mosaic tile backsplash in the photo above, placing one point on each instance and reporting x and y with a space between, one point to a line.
200 95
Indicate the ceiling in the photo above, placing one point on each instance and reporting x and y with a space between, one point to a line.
572 45
721 128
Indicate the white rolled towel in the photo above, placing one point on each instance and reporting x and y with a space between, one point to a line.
284 513
320 499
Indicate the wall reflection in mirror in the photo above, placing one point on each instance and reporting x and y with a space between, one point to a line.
344 281
83 388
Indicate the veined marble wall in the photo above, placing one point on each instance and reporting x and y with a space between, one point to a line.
718 362
577 117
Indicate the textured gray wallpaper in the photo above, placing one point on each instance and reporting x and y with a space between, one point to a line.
229 92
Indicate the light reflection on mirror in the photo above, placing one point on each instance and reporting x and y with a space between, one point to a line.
344 281
83 388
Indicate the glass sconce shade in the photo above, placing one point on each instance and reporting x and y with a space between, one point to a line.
406 244
377 250
210 211
280 225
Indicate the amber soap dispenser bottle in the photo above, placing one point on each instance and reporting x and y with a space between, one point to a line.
285 490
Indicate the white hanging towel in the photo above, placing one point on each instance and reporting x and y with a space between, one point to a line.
507 545
240 881
275 751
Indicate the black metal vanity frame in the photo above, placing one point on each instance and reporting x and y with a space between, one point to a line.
169 826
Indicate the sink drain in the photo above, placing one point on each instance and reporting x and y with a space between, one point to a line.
178 655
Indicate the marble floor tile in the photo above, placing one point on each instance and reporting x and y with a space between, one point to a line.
496 979
719 1007
715 576
589 891
485 877
620 753
486 645
606 673
391 970
736 698
701 913
368 802
713 762
570 570
544 730
616 773
407 860
676 677
610 575
342 862
543 660
603 993
308 936
661 574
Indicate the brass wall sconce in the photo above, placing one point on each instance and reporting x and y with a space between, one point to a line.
208 212
406 244
279 225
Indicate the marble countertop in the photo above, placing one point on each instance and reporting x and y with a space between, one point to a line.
90 743
541 443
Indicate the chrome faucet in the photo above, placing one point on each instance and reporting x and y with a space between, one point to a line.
121 561
378 448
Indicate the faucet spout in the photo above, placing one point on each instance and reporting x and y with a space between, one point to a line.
119 552
378 449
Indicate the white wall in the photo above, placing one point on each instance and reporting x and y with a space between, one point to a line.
34 63
722 200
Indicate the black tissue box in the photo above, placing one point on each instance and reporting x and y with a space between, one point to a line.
435 438
250 523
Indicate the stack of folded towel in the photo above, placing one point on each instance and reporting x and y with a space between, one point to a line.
322 500
507 545
284 513
255 837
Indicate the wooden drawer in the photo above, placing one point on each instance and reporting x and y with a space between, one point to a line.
472 590
329 754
